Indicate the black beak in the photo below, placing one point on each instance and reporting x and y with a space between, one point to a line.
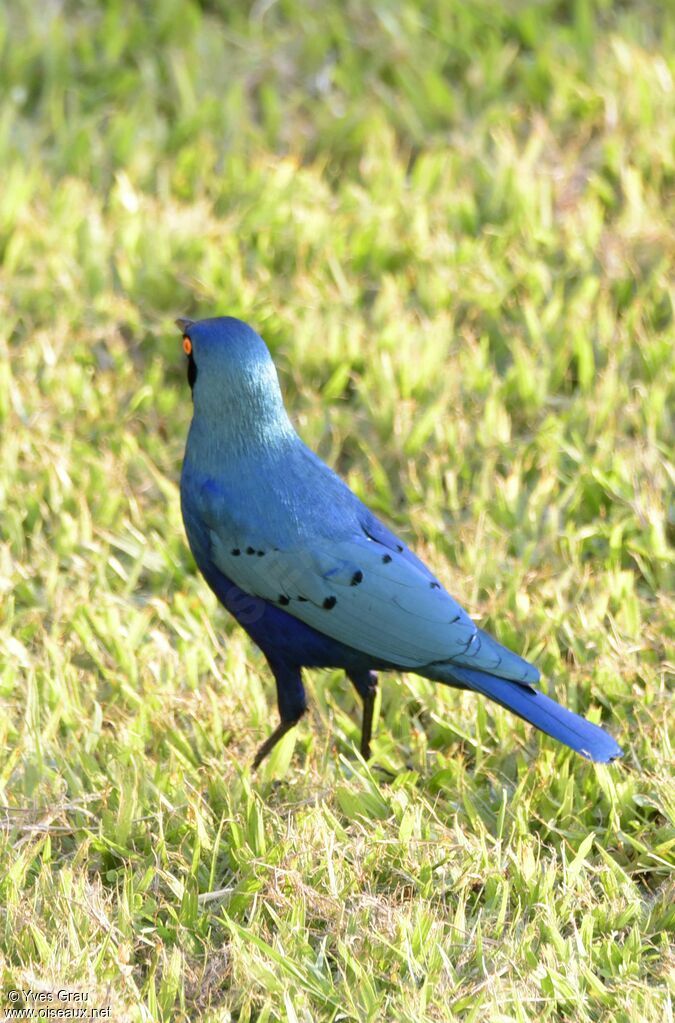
184 325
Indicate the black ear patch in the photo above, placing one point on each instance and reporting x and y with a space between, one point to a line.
192 371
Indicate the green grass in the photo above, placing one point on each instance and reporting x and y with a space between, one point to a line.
453 223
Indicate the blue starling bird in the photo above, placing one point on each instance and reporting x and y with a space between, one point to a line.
312 575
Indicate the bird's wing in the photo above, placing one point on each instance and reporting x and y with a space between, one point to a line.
357 592
377 531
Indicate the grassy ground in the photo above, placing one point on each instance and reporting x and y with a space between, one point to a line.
452 223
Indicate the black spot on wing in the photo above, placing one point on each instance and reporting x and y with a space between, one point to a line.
435 586
250 550
357 578
386 558
283 599
329 603
235 551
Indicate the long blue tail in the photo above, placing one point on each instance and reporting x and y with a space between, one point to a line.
547 715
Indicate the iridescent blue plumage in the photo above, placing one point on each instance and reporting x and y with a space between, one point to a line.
310 573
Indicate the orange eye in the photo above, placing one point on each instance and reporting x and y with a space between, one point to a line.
187 345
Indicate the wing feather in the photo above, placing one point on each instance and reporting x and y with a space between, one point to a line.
357 592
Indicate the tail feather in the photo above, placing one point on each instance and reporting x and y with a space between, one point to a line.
589 740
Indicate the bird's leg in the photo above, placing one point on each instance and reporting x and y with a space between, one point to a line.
270 743
367 725
292 705
366 686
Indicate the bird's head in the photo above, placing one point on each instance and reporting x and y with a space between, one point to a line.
233 379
